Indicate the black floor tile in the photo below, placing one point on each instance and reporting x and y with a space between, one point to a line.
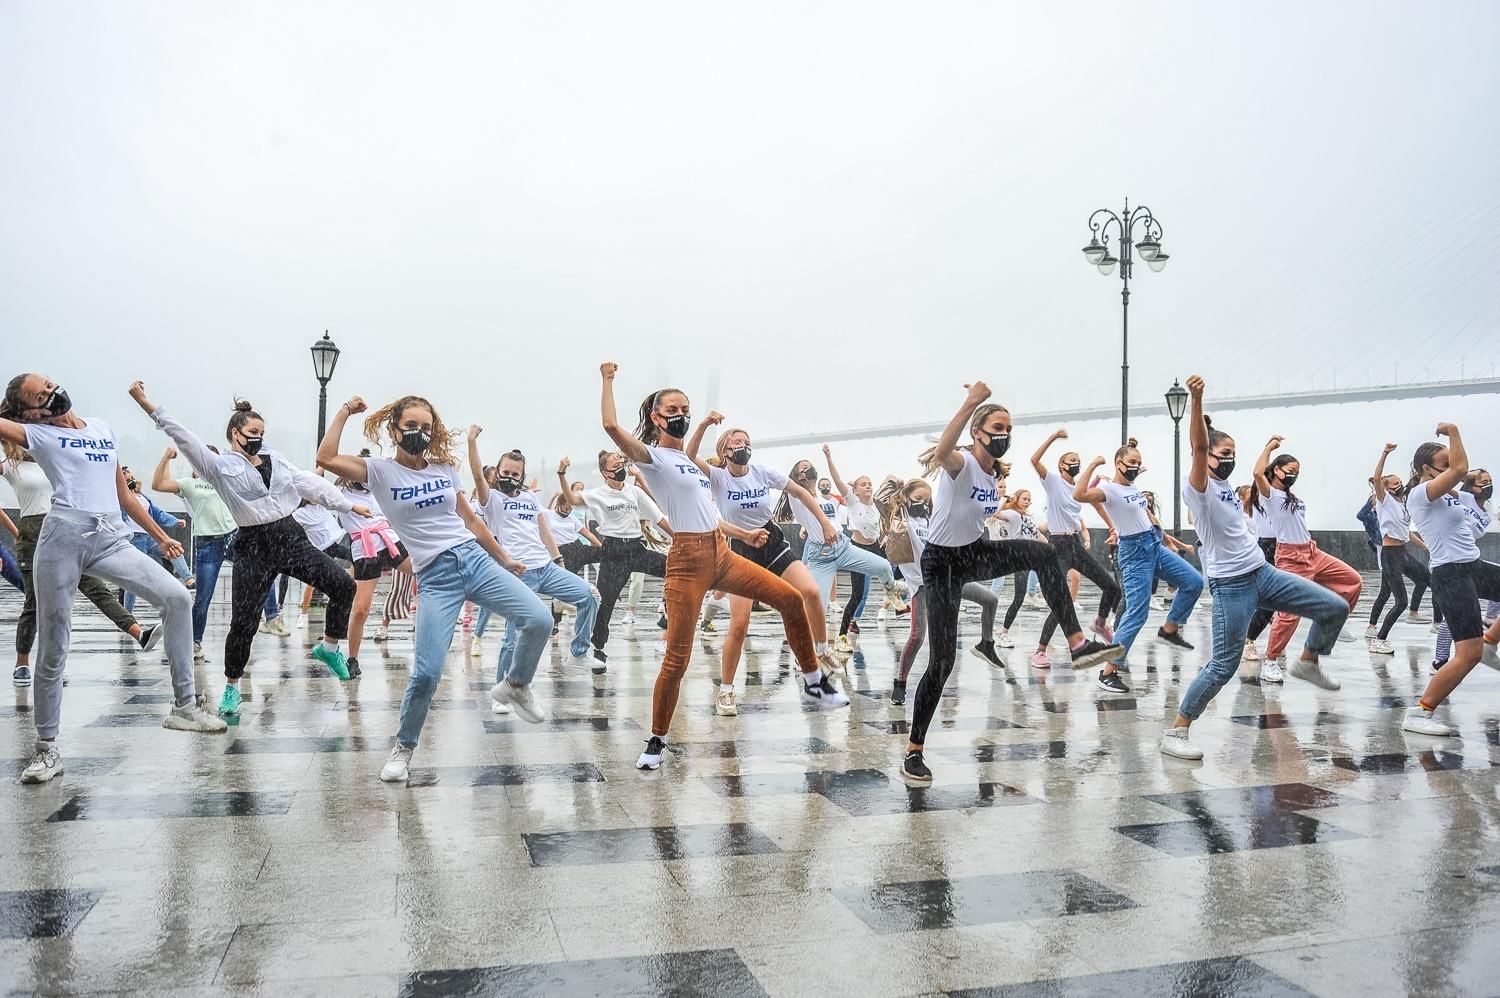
1204 836
1226 977
513 727
196 804
1110 704
1010 897
628 845
902 799
718 972
1270 721
137 699
1026 751
44 913
505 776
903 726
1248 800
798 783
291 744
1400 762
749 748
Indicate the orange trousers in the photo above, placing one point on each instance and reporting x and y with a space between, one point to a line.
1308 561
696 564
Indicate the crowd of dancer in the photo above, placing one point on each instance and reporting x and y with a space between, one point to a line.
724 533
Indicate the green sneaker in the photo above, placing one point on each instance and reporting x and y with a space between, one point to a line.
333 659
229 705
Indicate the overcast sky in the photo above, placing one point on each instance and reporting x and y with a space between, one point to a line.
810 215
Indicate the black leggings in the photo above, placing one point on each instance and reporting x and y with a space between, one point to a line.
260 553
1264 614
1017 596
859 594
1396 562
944 572
1071 554
617 559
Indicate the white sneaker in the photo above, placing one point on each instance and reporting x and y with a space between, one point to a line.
1372 631
1004 641
496 707
1251 654
1160 603
651 758
629 620
1379 647
844 645
1345 636
824 693
520 700
1415 617
398 766
578 661
195 716
476 648
1419 721
831 663
382 633
198 655
1270 670
45 764
1174 742
724 704
283 632
1312 672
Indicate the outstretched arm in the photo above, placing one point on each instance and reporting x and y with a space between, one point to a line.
1262 483
575 501
349 467
13 432
1082 491
476 467
1197 436
161 479
1458 463
1061 433
203 460
696 440
629 445
946 450
833 472
797 492
1379 478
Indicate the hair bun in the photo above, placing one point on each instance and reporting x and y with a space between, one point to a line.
1208 422
243 405
1131 442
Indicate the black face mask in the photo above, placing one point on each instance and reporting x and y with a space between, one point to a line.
998 444
824 490
252 445
740 455
1131 474
58 402
1072 470
510 486
1288 481
1225 469
414 442
618 475
1485 494
677 426
920 510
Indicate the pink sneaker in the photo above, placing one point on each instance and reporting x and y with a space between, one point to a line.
1040 661
1101 628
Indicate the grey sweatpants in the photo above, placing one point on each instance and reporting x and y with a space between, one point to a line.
72 544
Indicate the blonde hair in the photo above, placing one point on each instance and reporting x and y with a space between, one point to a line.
388 418
721 446
1013 501
897 501
928 458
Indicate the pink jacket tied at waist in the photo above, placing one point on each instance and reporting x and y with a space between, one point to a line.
371 539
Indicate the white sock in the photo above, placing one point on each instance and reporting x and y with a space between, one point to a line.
813 678
330 645
726 687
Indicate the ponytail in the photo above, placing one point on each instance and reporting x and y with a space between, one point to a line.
1281 461
1420 459
646 431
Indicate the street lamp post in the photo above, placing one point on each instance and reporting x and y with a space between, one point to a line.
1177 398
325 355
1097 253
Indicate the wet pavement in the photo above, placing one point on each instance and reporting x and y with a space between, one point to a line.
1316 849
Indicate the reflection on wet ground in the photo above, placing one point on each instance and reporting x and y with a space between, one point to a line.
1316 849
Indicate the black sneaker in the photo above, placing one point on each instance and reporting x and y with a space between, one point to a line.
651 758
599 659
915 771
986 651
150 637
898 692
352 664
661 622
1173 638
1094 652
1110 682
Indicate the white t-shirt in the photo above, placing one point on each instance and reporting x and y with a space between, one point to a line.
1017 526
421 505
1477 514
961 505
827 505
1227 537
683 491
1126 507
80 464
620 511
1062 508
322 528
353 523
746 501
1262 521
564 528
33 491
864 518
513 519
920 532
1446 526
1289 522
1395 521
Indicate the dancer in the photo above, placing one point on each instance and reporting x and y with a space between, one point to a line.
1143 558
453 553
1239 579
83 534
1065 531
374 548
516 518
863 520
34 497
958 552
699 559
262 490
1474 494
1017 525
742 493
144 542
621 508
1460 577
1296 552
1396 564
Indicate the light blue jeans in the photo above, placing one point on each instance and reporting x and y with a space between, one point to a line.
825 561
147 545
1143 560
466 572
559 583
1235 601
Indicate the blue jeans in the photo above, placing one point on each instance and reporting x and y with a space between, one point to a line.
460 573
209 555
146 545
1143 560
9 570
825 561
559 583
1235 601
